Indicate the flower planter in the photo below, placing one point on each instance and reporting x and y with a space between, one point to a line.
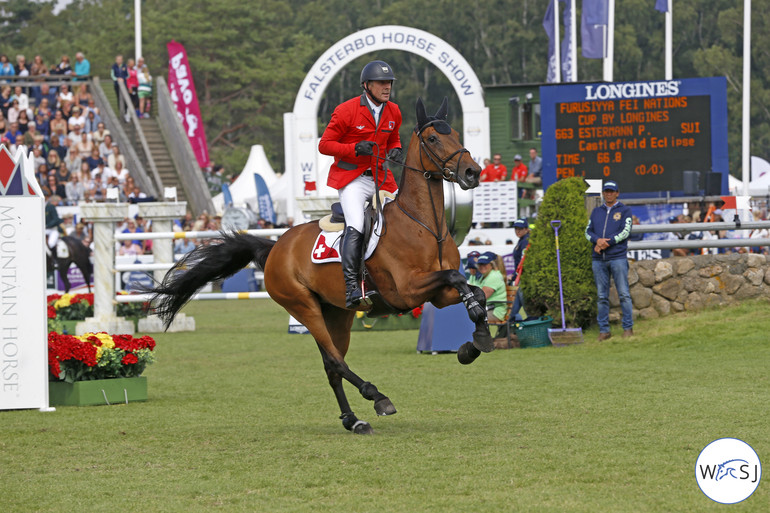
98 391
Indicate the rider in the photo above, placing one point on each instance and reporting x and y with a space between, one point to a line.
361 132
53 223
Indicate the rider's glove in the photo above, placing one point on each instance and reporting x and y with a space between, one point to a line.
396 156
364 148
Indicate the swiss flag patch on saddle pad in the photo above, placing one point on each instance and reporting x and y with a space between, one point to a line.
327 247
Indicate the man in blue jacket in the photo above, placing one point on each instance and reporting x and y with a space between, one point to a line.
608 229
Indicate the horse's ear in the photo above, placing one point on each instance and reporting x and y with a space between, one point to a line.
443 111
422 117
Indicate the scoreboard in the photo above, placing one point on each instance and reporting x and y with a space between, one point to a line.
641 134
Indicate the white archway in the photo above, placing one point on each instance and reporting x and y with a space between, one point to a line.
301 126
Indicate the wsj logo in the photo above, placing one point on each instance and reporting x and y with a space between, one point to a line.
736 469
728 470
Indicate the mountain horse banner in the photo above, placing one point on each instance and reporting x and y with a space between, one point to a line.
23 324
182 91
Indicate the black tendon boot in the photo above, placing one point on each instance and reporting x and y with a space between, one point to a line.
351 267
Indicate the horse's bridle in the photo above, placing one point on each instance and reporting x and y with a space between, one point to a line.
443 173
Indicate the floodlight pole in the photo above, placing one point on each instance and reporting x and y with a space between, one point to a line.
745 147
138 28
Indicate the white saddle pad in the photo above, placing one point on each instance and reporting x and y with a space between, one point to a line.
327 245
62 250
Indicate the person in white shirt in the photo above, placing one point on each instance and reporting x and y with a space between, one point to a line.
19 94
115 157
105 172
75 135
121 172
77 118
65 95
105 148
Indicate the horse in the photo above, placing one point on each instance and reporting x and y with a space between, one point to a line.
78 255
416 261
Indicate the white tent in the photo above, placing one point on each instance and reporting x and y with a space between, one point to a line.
760 179
244 189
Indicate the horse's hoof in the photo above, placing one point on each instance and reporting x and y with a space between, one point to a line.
384 407
482 340
467 353
362 428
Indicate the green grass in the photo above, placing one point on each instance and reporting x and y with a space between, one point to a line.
241 418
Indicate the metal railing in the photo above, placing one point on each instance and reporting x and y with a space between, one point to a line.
139 141
190 175
669 244
741 242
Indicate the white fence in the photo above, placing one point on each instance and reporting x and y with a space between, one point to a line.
164 266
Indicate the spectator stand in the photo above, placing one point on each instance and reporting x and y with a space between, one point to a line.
31 84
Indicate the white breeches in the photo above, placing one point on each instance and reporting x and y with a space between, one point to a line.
53 236
353 197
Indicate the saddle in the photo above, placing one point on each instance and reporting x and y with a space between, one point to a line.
334 223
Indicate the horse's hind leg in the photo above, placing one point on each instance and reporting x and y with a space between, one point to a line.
86 275
338 322
349 419
330 326
63 266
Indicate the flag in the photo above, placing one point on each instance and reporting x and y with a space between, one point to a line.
566 43
736 202
182 91
264 202
661 5
593 28
228 197
548 25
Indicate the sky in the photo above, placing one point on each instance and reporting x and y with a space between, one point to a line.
61 4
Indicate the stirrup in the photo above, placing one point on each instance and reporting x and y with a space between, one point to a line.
357 301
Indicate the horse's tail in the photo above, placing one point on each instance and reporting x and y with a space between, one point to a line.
203 265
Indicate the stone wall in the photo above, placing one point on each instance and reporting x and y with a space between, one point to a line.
662 287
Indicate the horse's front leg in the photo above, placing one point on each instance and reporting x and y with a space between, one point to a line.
475 302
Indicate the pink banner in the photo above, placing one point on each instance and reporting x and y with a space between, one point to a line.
182 90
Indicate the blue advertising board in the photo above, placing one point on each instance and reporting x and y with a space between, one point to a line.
643 135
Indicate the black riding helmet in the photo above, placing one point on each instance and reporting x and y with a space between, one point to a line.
376 70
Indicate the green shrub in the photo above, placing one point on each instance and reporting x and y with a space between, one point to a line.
564 201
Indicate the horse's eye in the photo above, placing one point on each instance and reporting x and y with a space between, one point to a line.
432 139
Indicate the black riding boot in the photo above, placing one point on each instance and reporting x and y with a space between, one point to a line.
351 266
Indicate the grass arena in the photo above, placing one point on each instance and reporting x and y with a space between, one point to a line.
239 418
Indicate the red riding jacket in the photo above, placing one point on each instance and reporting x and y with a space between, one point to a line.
351 123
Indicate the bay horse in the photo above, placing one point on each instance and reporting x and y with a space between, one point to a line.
78 255
416 261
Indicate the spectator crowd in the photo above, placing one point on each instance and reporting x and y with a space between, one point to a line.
74 154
